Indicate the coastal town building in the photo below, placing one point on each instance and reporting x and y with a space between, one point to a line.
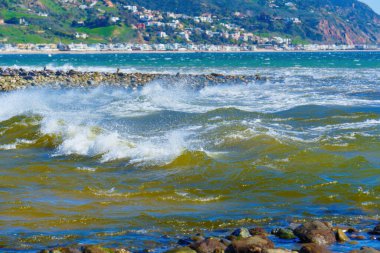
186 47
81 35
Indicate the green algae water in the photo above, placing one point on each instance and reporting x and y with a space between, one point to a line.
144 167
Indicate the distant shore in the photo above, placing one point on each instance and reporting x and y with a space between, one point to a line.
54 52
315 236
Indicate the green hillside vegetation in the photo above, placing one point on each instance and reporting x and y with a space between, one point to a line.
112 33
57 26
323 21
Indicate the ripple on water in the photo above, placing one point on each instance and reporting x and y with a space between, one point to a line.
175 159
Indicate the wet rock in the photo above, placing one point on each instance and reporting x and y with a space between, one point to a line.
71 72
197 238
341 236
314 248
181 250
121 251
231 237
241 233
293 226
315 232
358 237
365 250
376 230
278 251
283 233
226 242
184 242
352 230
254 244
209 245
22 73
71 78
62 250
96 249
29 78
257 231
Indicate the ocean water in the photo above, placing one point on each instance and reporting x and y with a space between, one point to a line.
144 167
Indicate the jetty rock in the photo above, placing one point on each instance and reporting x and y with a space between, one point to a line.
12 79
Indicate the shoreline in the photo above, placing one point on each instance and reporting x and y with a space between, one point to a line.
80 52
312 236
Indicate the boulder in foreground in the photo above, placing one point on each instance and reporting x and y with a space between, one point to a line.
315 232
254 244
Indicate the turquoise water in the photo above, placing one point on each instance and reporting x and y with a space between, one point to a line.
188 62
145 167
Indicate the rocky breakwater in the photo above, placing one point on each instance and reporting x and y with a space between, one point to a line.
309 237
13 79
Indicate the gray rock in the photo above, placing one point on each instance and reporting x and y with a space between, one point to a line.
241 232
315 232
209 245
253 244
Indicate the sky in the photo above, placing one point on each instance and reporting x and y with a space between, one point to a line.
375 4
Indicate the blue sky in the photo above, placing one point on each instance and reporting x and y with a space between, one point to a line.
375 4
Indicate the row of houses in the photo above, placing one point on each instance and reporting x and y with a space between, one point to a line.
128 47
186 26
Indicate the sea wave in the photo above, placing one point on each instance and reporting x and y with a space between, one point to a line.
160 121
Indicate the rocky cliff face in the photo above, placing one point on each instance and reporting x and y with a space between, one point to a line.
351 22
342 33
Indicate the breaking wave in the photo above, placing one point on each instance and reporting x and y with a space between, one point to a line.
160 121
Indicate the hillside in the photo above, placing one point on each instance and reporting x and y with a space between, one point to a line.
202 21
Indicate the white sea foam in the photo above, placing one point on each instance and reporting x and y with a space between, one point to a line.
89 169
357 125
15 144
8 146
114 123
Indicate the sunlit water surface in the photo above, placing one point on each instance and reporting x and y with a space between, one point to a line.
142 168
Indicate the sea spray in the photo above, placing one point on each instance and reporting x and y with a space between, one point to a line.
171 159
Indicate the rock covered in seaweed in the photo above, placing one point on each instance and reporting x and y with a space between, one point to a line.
283 233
